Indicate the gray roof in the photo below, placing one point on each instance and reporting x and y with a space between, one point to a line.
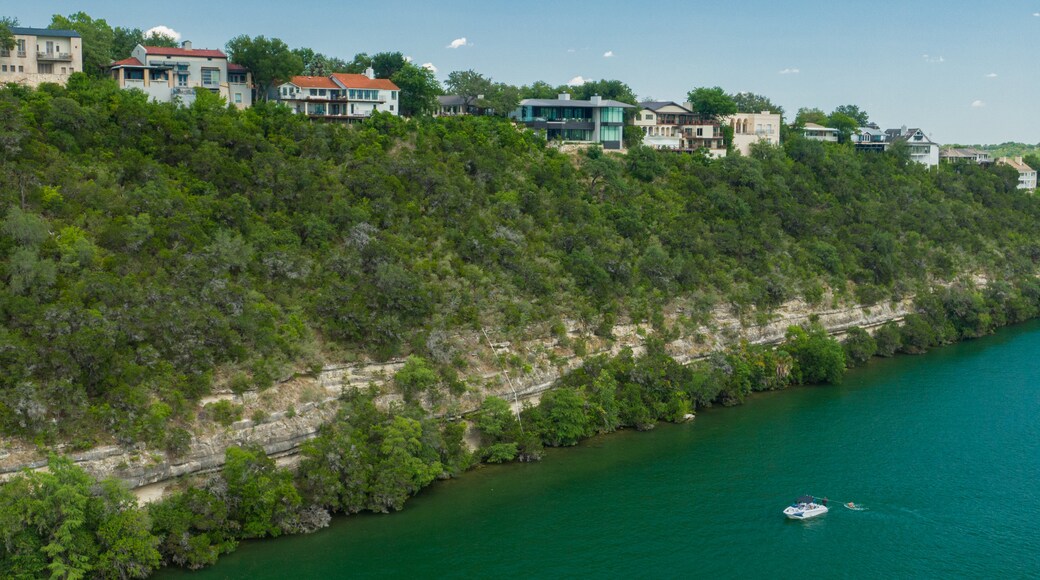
45 32
450 100
573 103
655 105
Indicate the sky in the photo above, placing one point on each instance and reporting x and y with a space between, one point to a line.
963 71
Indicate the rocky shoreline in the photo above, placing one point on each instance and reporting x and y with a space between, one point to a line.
280 433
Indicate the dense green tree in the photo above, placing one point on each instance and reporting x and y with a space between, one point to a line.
7 41
859 116
124 40
747 102
859 346
419 90
97 40
711 102
260 496
810 115
469 85
818 358
268 59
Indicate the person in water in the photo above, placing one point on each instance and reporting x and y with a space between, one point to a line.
824 502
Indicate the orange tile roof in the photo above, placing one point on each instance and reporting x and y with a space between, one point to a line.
314 82
235 66
170 51
127 62
354 81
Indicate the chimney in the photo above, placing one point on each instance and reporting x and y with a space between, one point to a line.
564 96
186 44
370 72
596 99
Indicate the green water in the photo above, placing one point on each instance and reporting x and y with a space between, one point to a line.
943 450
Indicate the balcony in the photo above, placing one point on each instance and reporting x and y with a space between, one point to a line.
54 56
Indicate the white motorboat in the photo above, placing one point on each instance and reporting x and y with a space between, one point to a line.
805 507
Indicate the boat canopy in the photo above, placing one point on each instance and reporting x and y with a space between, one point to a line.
805 499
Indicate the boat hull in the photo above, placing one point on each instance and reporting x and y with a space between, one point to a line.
804 512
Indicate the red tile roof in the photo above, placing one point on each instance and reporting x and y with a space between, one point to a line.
127 62
352 81
235 67
314 82
168 51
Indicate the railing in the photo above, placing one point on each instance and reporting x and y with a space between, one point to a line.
61 56
183 90
21 54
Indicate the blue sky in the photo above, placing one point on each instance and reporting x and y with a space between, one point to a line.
963 71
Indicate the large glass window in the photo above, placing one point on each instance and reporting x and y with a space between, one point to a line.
609 134
611 115
210 76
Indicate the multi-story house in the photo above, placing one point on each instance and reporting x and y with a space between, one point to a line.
454 105
870 138
671 126
922 149
965 155
751 128
819 133
340 96
596 120
41 55
1026 174
173 74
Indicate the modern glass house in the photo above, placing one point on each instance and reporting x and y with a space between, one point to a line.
596 120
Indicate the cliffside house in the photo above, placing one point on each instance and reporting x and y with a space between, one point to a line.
1026 174
870 138
751 128
922 149
820 133
454 105
172 74
340 96
674 127
965 155
41 55
596 120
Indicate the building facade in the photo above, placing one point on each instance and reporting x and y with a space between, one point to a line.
41 55
820 133
173 74
340 96
922 149
1026 174
674 127
596 120
751 128
965 155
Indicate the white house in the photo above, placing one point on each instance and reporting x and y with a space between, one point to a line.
751 128
671 126
1026 174
41 55
172 74
341 96
820 133
922 149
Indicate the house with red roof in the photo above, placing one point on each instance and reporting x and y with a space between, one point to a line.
340 96
173 74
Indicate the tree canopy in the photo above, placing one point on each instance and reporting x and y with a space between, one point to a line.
268 59
711 102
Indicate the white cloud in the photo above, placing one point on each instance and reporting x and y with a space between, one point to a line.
163 30
991 76
578 80
790 71
429 66
935 59
608 54
571 50
977 104
1036 14
407 59
459 42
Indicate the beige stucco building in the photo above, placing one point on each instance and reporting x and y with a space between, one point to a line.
41 55
173 74
751 128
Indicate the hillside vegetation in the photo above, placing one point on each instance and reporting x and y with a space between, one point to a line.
150 251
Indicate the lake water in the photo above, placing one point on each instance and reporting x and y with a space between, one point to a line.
943 451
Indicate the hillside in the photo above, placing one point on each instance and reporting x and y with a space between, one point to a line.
154 252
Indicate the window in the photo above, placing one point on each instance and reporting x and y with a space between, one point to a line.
21 68
391 108
393 95
321 92
3 68
285 91
63 69
238 97
182 80
21 47
312 92
700 131
210 76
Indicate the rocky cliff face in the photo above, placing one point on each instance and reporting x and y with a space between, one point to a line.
533 367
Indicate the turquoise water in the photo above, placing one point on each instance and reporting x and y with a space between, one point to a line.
942 450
